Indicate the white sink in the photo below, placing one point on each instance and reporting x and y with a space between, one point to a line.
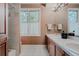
73 47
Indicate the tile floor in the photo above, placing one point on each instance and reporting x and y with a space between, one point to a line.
34 50
12 52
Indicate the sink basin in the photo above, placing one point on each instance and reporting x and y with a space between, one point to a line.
73 47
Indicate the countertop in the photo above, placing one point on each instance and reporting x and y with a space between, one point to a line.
70 45
2 36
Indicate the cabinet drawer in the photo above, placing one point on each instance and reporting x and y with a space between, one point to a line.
59 51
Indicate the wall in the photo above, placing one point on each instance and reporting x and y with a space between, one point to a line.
13 27
30 5
35 39
6 7
59 16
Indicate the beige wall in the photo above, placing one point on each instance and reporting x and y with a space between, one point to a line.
59 16
6 19
14 27
30 5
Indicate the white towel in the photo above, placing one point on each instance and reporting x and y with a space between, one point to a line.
49 26
60 26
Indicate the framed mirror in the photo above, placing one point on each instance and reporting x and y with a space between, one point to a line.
2 18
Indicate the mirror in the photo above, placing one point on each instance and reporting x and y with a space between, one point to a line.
2 19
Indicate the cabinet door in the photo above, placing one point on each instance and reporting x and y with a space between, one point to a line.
3 50
51 48
59 51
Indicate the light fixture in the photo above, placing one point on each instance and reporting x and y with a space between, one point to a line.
60 5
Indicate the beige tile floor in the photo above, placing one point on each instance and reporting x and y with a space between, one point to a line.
12 52
33 50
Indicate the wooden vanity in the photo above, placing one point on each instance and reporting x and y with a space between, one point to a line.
53 48
3 45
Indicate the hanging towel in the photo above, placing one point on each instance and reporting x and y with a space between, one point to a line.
60 26
49 26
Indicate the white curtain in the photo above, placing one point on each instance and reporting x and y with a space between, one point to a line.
30 22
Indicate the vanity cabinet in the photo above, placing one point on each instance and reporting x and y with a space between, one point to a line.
50 45
51 48
3 47
59 51
54 49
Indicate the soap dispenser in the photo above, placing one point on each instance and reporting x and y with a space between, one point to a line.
64 35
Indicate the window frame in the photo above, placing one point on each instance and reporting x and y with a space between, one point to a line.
77 22
74 9
39 20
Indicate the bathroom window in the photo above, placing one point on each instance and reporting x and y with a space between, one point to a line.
30 22
73 20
